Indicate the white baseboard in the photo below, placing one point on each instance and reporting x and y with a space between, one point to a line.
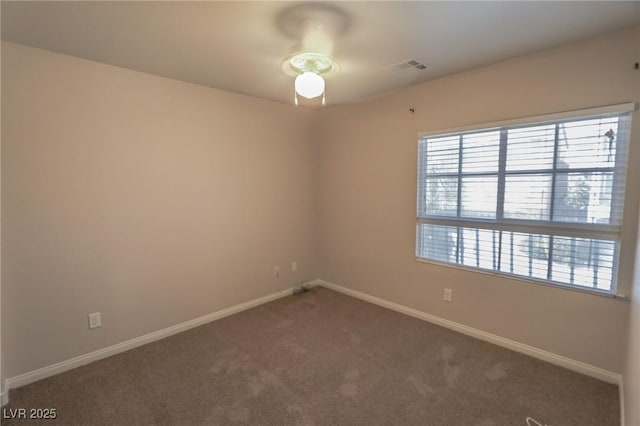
60 367
562 361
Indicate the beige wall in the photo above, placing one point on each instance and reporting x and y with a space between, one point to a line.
368 197
632 370
150 200
2 384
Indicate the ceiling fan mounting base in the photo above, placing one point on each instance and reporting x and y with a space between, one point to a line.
299 62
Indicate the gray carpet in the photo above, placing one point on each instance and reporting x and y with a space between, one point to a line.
320 358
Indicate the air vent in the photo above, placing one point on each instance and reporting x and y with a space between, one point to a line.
408 64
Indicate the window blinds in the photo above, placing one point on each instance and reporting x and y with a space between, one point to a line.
541 199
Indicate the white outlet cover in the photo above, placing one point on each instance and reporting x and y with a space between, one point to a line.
94 320
294 266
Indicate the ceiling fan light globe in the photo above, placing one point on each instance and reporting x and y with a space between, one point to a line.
309 85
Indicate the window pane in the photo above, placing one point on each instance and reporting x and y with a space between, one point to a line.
527 197
480 152
442 154
441 196
583 197
479 248
587 143
524 254
530 148
583 262
437 242
479 196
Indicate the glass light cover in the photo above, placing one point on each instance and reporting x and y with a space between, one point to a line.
309 85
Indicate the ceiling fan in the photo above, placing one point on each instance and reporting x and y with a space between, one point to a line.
315 26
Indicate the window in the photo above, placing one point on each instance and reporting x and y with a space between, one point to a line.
540 199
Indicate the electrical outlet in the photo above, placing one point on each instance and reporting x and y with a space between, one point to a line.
294 266
94 320
448 295
276 271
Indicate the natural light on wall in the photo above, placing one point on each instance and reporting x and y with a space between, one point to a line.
540 198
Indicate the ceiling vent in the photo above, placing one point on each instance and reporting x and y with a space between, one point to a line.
409 64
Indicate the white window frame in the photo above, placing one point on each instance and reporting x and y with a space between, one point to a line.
568 229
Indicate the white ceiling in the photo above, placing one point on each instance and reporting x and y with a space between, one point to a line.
239 46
